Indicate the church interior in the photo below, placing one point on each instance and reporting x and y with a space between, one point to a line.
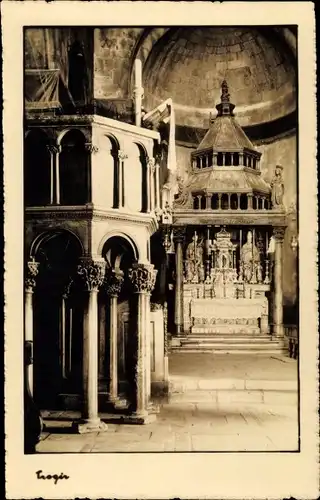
161 226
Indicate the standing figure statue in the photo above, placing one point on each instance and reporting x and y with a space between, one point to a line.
277 188
194 270
250 261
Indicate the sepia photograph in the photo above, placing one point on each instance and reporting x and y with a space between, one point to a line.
161 335
161 239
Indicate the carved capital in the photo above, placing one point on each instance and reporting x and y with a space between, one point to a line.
179 233
142 277
91 148
54 149
32 271
122 155
68 289
113 282
91 273
151 164
154 306
278 233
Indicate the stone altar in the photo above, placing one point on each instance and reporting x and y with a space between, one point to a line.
225 302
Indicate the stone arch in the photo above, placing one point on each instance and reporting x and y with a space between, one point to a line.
142 50
37 168
122 235
43 236
58 317
137 177
62 133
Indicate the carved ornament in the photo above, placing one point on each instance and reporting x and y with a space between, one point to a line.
142 277
54 149
155 307
91 148
32 271
122 155
179 233
91 273
113 282
278 233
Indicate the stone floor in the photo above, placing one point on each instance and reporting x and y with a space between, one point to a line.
201 424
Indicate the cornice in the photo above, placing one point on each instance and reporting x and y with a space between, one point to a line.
267 218
91 213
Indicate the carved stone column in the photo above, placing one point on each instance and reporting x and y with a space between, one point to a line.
90 275
121 178
151 164
54 150
249 197
179 235
143 277
157 167
278 233
113 283
30 283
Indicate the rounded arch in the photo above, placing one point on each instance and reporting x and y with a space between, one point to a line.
124 236
37 168
65 131
46 235
137 179
143 48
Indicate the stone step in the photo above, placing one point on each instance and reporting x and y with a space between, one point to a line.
221 397
229 334
225 349
235 342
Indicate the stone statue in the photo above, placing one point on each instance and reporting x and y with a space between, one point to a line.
277 188
183 197
194 261
250 261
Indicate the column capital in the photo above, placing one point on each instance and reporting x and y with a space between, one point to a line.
113 281
179 233
91 148
32 270
91 273
122 155
142 277
278 233
151 162
54 148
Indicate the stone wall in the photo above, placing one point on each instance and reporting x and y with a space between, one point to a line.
113 52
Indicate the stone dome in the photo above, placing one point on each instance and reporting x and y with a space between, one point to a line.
189 63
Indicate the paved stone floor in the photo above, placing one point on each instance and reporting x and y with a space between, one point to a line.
184 427
202 424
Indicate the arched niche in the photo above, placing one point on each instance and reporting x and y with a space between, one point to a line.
119 254
37 169
224 202
74 169
107 188
137 187
58 318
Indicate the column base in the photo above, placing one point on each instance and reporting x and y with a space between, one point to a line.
90 425
142 418
119 403
153 408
